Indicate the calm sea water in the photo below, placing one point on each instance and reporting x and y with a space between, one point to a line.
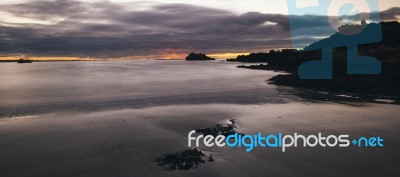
83 86
75 119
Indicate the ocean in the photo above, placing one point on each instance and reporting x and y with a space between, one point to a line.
119 118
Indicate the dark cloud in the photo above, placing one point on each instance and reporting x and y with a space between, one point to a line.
44 9
106 29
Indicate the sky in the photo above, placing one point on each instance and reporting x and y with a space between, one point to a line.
159 29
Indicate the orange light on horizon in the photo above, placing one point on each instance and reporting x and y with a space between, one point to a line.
227 55
173 56
167 55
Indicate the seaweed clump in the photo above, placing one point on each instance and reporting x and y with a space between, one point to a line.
220 129
183 160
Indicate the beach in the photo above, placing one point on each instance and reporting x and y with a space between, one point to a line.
115 118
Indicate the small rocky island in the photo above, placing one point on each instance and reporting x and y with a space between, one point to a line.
198 56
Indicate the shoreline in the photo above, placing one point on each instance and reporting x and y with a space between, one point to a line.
332 86
122 142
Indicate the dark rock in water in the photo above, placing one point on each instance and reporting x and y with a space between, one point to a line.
210 159
219 129
24 61
183 160
198 56
191 158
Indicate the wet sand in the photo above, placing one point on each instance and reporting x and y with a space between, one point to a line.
126 142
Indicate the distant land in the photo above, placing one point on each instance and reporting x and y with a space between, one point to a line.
198 56
14 61
288 60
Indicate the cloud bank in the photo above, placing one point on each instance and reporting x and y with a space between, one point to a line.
105 29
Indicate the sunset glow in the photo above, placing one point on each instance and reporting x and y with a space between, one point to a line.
159 29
